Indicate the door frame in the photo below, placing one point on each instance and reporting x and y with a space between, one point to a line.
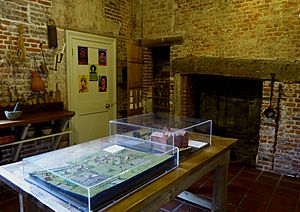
70 35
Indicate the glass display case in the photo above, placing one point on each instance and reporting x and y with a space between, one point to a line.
97 173
181 132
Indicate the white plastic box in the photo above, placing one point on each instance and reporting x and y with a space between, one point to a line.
172 130
94 174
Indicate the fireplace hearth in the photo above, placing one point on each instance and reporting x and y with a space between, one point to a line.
234 105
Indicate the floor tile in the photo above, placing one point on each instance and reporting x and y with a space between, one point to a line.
10 206
234 199
263 187
253 205
205 191
230 208
288 193
259 195
289 183
236 189
8 195
283 202
172 205
269 174
248 175
189 208
242 182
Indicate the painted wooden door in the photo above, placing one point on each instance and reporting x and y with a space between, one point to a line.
91 84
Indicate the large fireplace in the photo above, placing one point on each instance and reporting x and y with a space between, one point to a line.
234 105
234 94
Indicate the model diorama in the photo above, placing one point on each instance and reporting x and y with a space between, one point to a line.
95 178
181 132
168 136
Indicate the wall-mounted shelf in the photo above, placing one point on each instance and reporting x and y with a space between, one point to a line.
59 119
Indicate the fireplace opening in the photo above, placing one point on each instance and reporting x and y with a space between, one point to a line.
234 106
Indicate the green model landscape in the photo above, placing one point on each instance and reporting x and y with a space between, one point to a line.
99 171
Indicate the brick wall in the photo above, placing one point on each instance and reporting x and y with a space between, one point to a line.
106 18
239 29
279 145
33 15
147 80
232 29
157 18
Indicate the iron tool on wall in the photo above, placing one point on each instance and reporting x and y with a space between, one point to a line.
270 112
43 66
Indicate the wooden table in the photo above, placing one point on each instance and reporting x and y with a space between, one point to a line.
152 196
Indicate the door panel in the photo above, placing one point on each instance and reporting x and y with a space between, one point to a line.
95 126
86 96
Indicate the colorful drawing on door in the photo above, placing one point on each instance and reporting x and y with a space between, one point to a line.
83 83
102 57
102 84
93 73
82 55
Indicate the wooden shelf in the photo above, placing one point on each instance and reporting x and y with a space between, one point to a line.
27 120
37 118
161 97
160 107
35 138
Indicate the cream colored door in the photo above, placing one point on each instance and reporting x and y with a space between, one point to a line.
91 67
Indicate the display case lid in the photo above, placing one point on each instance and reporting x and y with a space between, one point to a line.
161 121
173 130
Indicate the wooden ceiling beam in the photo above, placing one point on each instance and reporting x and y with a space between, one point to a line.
156 42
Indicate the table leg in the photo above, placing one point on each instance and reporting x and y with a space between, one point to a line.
220 186
21 203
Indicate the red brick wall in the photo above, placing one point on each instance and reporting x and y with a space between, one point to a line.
15 80
96 17
147 79
187 100
33 15
241 29
282 148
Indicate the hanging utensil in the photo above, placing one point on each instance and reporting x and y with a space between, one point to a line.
43 66
36 65
270 112
17 106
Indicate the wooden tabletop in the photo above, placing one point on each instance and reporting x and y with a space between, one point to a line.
151 196
37 118
166 188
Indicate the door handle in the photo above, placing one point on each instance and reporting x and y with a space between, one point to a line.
107 105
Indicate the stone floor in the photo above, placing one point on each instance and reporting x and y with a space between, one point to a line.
248 190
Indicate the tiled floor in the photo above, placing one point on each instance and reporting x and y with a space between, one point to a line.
249 190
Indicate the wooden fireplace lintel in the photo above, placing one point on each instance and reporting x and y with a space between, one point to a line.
163 41
256 69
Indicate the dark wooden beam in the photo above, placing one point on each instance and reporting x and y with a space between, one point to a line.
257 69
156 42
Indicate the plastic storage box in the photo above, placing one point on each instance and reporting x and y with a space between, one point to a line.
94 174
178 131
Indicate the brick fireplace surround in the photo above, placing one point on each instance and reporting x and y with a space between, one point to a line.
278 147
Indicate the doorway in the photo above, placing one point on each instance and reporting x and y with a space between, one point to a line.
91 84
